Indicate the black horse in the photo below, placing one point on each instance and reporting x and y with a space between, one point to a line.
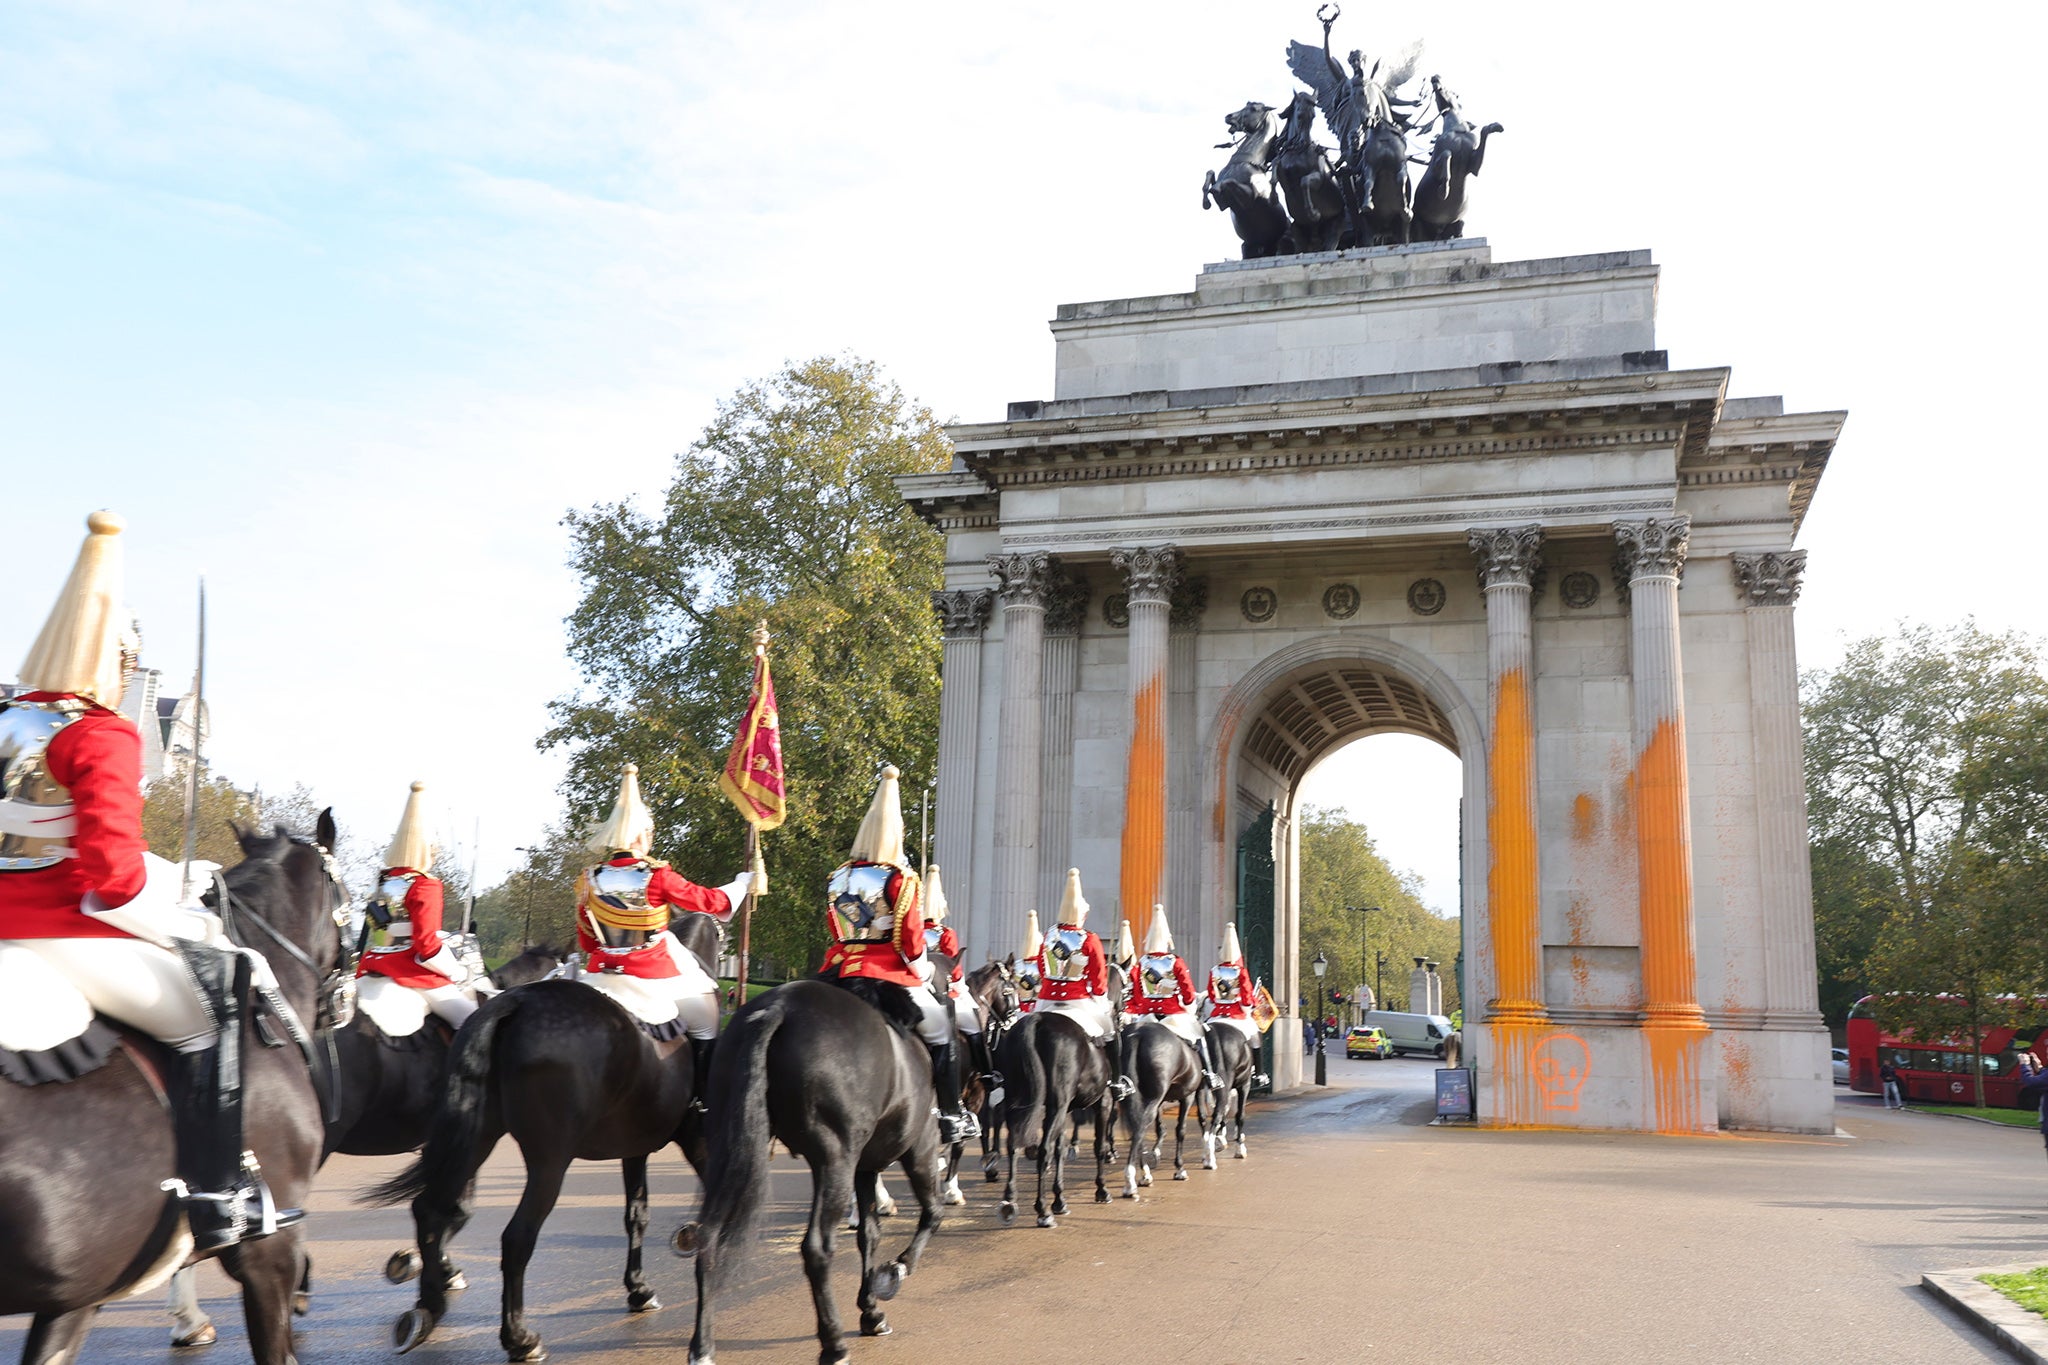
1237 1062
571 1076
83 1215
824 1069
1164 1068
1053 1074
383 1093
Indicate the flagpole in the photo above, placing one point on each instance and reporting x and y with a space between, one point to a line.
191 849
753 852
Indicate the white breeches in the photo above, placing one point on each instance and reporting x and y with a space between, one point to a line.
1185 1024
699 1014
1249 1029
137 983
966 1014
934 1025
451 1004
1091 1012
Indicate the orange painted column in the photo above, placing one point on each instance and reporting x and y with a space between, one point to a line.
1675 1028
1509 558
1151 573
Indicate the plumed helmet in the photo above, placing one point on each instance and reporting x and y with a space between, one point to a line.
1126 943
80 647
410 846
1073 905
1158 938
1233 951
934 896
880 837
1034 941
630 827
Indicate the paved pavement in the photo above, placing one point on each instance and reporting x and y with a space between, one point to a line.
1354 1232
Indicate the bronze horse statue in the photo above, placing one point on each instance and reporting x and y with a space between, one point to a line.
1308 182
1455 157
1244 188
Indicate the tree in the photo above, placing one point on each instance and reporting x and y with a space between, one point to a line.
1341 868
536 904
220 807
1925 781
784 510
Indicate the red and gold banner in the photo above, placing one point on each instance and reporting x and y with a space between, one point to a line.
753 770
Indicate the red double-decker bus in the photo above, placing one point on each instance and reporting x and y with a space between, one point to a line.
1940 1071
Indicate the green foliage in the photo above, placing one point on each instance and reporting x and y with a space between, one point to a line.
537 903
1340 868
220 806
1927 781
783 510
2028 1288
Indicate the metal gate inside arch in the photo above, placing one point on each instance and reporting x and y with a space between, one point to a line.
1255 912
1419 489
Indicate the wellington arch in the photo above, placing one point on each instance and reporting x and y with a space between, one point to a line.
1410 490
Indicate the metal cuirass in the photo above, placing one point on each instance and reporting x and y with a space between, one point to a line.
387 906
932 934
623 888
1027 980
860 910
36 815
1155 976
1228 983
1065 955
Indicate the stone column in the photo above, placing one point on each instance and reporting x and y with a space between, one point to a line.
1769 583
1021 584
1199 938
1510 562
1650 556
962 615
1066 603
1151 573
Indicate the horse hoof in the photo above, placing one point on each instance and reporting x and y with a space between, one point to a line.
1145 1180
1007 1213
876 1326
1102 1196
1045 1221
954 1197
1059 1206
687 1242
403 1265
533 1353
886 1283
413 1327
642 1301
1209 1163
205 1336
991 1173
457 1281
1240 1154
302 1303
1031 1152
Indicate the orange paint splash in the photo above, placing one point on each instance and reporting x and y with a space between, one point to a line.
1511 837
1144 845
1675 1076
1585 818
1664 857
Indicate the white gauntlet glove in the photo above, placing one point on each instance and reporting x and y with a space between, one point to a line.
736 890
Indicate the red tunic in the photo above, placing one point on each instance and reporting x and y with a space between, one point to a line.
1240 1008
405 962
650 960
1095 983
98 759
883 961
949 944
1140 1003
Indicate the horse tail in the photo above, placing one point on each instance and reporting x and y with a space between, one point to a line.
736 1159
449 1161
1024 1087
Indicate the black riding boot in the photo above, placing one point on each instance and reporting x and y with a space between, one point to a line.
1121 1087
700 1071
1211 1076
978 1058
955 1123
219 1183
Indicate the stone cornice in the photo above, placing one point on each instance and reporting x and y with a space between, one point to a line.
1789 448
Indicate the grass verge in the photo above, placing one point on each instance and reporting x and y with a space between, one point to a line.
2015 1118
2028 1288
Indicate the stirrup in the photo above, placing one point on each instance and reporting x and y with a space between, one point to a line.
1211 1080
221 1219
1261 1078
992 1080
1122 1087
960 1127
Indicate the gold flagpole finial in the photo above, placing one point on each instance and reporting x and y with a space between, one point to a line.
761 637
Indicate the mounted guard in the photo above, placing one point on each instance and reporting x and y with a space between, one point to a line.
83 899
407 906
1164 989
874 916
1027 964
1073 975
1231 989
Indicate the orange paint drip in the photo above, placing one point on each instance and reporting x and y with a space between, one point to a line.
1144 846
1664 857
1675 1076
1518 1102
1511 836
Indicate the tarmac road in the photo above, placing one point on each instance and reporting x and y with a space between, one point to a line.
1354 1232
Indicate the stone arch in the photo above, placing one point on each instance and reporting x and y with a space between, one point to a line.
1302 702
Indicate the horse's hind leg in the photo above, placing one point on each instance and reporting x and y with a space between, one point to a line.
1180 1134
1070 1132
55 1338
1244 1099
190 1326
268 1270
1048 1137
874 1287
544 1175
639 1298
831 1188
1104 1154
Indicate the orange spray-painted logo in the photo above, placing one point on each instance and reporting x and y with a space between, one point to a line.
1562 1064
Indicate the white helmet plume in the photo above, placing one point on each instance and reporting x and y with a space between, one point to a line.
1158 938
1034 941
1126 943
1233 951
630 828
1073 905
79 648
934 908
880 838
410 846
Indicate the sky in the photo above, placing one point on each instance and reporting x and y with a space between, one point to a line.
343 306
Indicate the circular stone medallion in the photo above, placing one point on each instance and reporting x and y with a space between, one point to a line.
1116 609
1341 601
1259 604
1426 597
1579 590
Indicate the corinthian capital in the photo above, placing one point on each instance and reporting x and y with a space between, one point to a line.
1022 579
1771 578
1651 548
1066 603
1151 572
1508 556
963 611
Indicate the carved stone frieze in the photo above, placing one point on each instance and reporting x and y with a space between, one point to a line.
1771 578
1023 579
1190 600
1650 548
962 611
1508 556
1151 572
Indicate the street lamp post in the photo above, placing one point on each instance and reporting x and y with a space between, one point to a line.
1363 956
1379 973
1321 964
526 939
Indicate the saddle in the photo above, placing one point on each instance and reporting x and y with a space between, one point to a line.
653 1010
397 1011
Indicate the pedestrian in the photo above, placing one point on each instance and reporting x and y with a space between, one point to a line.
2034 1089
1890 1076
1308 1037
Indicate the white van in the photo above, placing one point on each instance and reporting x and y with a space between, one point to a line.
1412 1032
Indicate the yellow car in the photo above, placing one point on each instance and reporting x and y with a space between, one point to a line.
1368 1042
